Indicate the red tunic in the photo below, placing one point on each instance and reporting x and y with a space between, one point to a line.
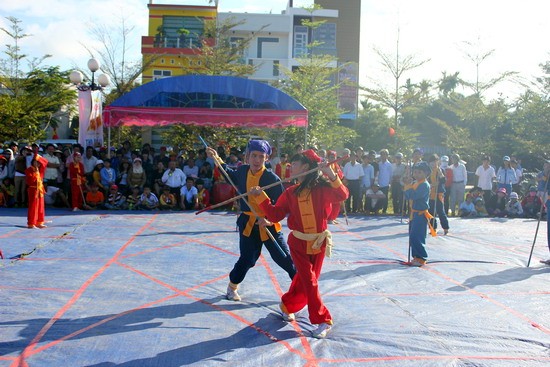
307 214
34 178
76 171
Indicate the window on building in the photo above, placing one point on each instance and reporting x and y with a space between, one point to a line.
262 40
300 41
276 67
182 32
159 74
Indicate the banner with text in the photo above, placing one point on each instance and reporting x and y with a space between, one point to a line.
90 132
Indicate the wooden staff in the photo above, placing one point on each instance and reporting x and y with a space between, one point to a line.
242 196
277 246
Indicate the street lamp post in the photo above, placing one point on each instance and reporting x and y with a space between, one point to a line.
90 132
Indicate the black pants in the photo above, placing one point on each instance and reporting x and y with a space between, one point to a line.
353 203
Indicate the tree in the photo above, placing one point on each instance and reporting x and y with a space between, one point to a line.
33 98
397 66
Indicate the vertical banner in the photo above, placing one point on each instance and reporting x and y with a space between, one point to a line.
348 93
90 131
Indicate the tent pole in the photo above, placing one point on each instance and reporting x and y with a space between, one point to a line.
109 141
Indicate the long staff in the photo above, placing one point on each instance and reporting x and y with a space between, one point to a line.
288 179
277 246
538 222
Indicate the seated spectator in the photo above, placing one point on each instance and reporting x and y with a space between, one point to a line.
479 205
206 174
531 203
115 200
94 198
496 207
108 175
375 199
8 190
147 200
96 176
189 195
167 200
467 208
133 199
55 197
190 169
203 194
513 207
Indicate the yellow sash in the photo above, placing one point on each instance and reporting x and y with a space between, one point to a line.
251 181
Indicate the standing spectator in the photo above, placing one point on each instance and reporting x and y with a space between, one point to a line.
122 176
353 174
437 180
506 175
367 180
174 178
282 169
485 175
384 176
190 169
78 181
34 176
89 161
460 178
448 171
4 169
53 164
398 170
21 164
542 176
516 185
11 162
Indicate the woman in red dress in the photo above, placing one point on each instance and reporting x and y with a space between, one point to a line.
34 178
78 180
308 206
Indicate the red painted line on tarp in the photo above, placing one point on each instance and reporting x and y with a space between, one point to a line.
218 308
486 297
482 295
28 351
6 235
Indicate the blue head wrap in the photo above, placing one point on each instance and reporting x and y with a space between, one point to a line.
259 146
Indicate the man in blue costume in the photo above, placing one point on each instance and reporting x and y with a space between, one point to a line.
252 229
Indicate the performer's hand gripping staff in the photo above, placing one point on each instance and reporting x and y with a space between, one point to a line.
288 179
261 221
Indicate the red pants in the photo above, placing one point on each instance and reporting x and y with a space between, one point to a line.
76 196
35 213
304 289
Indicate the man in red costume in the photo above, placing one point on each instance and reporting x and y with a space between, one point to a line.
78 180
34 179
308 205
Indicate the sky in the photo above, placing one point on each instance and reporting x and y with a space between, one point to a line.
435 30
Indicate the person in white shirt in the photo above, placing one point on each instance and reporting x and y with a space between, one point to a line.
190 169
384 176
53 164
398 171
174 178
485 175
368 178
458 187
89 161
189 195
353 174
375 199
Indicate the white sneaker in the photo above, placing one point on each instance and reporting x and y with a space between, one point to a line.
288 317
322 331
232 294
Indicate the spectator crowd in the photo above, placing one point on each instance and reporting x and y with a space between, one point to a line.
88 178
